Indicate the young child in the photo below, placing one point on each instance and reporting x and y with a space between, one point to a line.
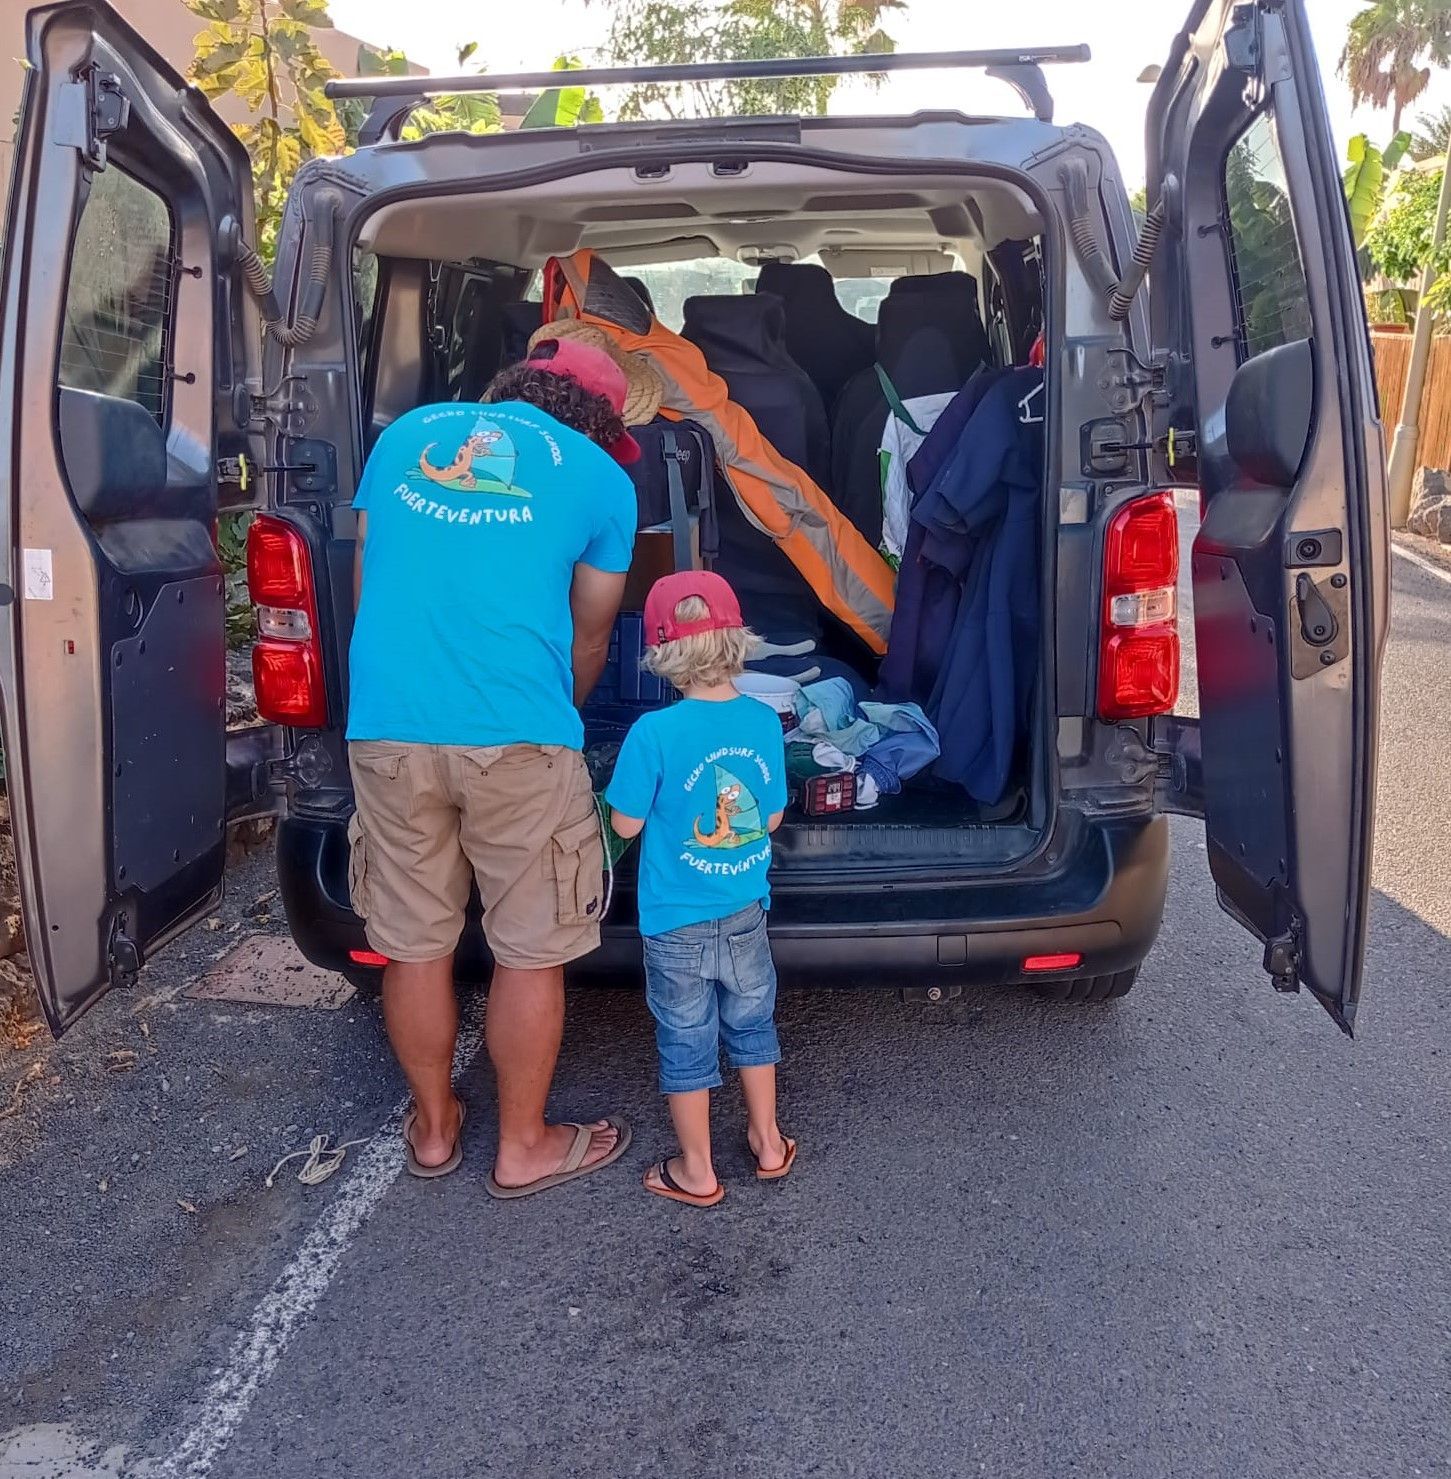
705 779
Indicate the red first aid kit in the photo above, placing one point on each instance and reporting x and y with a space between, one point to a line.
825 795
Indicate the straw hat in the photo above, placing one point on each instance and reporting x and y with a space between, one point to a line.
646 389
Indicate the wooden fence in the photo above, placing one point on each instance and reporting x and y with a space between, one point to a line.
1392 359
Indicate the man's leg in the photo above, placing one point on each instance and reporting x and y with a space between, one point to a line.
523 1027
421 1013
410 881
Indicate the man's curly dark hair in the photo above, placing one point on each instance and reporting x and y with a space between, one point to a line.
560 396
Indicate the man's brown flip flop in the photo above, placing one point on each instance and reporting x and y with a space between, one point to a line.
672 1190
444 1168
784 1169
572 1167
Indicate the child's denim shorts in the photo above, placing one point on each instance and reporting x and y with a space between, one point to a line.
707 984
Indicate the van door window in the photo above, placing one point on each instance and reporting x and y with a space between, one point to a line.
1272 305
115 338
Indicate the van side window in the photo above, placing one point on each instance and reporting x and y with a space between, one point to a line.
1271 294
116 336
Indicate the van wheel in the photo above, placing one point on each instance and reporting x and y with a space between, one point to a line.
1086 988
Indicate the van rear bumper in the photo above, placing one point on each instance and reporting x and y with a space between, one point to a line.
1103 898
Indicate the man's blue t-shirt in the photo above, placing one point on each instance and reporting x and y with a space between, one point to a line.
477 516
706 778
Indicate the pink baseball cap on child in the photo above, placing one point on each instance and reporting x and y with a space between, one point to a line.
723 611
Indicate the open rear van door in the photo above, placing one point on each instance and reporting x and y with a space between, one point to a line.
125 344
1260 338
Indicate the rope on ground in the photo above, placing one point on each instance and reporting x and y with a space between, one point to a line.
322 1160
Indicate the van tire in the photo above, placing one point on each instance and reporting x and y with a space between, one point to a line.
1086 988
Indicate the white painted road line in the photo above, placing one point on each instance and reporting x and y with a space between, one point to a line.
298 1288
1421 562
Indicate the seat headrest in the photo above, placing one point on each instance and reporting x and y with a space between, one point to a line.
942 287
742 330
800 284
929 332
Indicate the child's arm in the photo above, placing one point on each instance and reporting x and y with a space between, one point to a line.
634 783
770 826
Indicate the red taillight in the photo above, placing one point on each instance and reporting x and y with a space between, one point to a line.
1142 549
1138 670
288 679
279 571
287 668
368 957
1064 962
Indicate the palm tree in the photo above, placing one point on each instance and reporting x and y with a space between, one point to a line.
1433 136
1388 43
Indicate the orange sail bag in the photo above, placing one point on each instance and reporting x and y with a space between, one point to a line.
848 577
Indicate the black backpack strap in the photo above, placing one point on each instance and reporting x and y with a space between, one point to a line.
680 523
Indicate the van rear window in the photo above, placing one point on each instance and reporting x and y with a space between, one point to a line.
1271 294
116 336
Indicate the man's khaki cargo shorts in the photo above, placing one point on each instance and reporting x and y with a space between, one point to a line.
519 818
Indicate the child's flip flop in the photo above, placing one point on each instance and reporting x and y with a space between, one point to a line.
672 1190
784 1169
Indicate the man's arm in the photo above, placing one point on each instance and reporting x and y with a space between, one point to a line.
626 827
358 560
594 602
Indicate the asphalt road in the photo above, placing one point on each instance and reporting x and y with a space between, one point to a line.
1193 1233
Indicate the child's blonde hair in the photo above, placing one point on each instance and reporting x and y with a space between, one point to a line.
702 659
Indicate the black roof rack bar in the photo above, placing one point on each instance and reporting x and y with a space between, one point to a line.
750 70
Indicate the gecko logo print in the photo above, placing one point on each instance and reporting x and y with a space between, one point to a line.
485 463
737 818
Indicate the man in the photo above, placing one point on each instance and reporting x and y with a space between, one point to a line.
493 542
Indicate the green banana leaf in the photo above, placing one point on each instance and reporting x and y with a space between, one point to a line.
564 107
1366 176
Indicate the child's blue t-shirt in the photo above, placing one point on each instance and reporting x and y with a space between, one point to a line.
477 516
706 778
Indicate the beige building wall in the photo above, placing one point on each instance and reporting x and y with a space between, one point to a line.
167 24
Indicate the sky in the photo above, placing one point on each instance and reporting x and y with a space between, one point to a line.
529 34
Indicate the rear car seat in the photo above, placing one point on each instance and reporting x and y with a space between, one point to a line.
829 343
741 338
930 340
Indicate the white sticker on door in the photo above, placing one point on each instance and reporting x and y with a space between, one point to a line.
39 580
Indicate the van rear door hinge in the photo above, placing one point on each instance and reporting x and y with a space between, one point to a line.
1179 776
1129 382
290 406
1282 960
88 111
123 956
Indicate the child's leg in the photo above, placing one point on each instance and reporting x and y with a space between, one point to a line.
758 1088
690 1114
747 1021
687 1035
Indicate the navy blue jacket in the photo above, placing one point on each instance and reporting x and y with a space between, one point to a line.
928 595
981 517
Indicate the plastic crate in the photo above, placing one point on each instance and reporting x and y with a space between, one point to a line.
625 689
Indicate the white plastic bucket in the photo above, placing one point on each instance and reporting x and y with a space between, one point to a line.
776 693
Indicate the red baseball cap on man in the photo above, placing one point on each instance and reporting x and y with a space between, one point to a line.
598 372
723 611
